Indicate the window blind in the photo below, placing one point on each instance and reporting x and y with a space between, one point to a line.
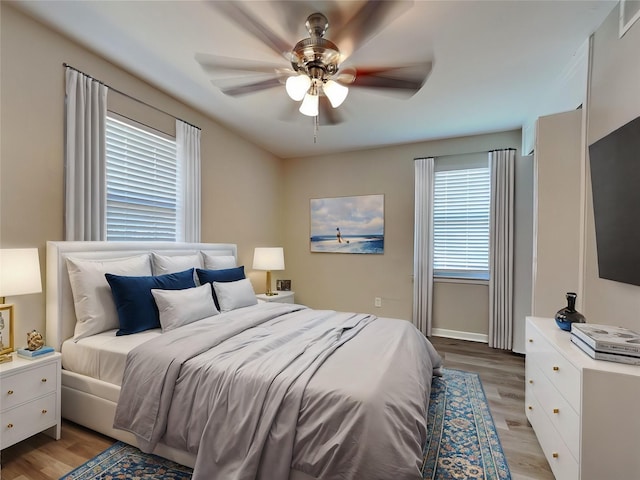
142 184
461 212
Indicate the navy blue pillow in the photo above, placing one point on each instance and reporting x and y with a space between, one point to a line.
137 310
222 275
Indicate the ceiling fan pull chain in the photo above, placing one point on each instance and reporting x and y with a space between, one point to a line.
315 129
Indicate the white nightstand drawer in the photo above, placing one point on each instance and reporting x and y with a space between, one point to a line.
281 297
562 416
563 375
27 385
21 422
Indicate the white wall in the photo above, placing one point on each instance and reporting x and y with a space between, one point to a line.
614 100
557 220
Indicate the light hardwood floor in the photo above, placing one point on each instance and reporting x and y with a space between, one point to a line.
502 374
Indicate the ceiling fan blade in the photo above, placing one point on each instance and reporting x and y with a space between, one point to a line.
235 90
407 79
216 63
240 15
366 23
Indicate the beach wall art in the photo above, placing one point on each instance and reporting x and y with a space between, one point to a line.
347 224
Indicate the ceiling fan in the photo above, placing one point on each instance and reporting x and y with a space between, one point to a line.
317 75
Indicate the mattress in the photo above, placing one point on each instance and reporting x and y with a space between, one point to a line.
102 356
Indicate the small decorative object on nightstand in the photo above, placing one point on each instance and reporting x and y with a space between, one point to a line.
568 315
29 398
281 297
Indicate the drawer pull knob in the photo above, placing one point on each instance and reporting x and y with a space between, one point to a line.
10 425
530 381
555 368
10 392
531 340
554 454
44 411
530 407
556 410
44 380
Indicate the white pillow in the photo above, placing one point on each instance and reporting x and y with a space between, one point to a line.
94 305
218 262
232 295
181 307
163 264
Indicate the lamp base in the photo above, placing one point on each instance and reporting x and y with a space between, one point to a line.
7 357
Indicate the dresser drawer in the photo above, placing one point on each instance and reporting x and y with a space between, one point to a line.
28 384
561 461
21 422
564 376
562 416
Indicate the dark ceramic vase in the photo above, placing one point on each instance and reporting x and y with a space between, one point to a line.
568 315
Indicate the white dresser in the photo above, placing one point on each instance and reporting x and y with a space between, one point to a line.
29 398
585 412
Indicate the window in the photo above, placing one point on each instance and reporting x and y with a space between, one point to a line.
142 184
461 223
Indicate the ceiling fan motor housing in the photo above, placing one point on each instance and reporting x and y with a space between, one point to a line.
316 54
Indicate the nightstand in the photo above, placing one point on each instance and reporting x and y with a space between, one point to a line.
282 297
29 398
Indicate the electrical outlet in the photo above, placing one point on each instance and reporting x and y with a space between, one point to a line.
377 302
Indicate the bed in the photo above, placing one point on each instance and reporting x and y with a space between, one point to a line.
350 403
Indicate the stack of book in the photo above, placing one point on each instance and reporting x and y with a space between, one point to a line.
33 354
605 342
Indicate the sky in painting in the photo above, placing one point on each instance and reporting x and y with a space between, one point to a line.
361 215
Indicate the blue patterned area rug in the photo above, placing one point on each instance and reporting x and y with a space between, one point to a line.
462 442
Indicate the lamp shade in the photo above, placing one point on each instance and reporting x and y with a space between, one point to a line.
309 105
297 86
19 272
335 92
268 258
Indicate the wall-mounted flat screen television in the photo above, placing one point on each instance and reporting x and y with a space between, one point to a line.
615 185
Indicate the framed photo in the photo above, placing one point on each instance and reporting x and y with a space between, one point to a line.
6 328
283 285
347 224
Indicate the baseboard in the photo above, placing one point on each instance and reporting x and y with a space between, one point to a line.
470 336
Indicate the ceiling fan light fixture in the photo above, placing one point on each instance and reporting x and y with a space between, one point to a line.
297 86
335 92
309 105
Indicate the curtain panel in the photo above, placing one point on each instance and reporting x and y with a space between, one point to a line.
502 164
188 152
423 245
85 157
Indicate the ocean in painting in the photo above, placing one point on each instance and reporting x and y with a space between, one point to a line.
350 244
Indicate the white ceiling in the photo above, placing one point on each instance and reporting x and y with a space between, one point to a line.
493 63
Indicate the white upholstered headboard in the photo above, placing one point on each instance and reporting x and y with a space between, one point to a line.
61 315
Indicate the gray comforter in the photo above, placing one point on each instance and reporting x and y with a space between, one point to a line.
261 390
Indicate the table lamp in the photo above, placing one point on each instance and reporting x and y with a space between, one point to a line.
19 275
268 258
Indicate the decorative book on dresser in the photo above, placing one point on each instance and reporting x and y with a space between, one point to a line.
585 412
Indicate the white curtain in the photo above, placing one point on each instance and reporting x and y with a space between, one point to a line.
423 245
188 148
85 157
502 163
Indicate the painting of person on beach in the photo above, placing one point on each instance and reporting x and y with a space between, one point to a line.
347 224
